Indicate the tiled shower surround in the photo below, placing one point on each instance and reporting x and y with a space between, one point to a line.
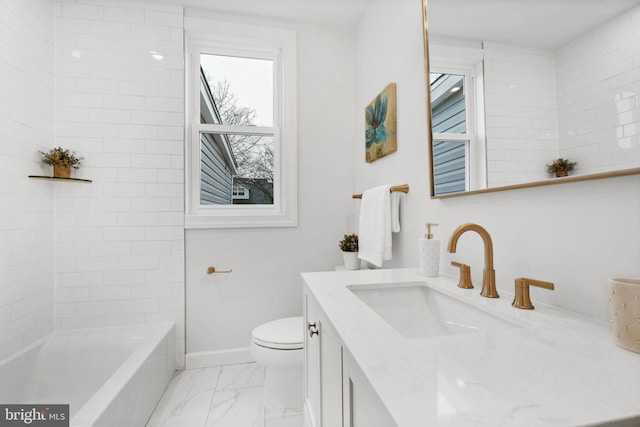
119 101
105 79
26 208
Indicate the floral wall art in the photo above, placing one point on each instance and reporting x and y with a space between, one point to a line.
381 116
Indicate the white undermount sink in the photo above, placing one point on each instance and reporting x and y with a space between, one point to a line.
417 311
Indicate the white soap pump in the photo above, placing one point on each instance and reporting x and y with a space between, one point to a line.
429 253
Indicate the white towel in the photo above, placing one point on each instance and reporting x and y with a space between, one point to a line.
395 211
377 221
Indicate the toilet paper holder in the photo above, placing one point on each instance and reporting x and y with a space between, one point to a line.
212 270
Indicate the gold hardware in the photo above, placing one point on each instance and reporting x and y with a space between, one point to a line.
398 188
522 299
546 182
429 234
465 275
212 270
488 274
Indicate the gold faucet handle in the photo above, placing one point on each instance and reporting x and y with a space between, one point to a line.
465 275
522 298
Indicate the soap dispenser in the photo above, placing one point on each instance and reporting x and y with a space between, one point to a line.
429 253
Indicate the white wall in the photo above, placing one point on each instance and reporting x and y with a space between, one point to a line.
26 126
120 239
598 96
389 48
575 235
222 309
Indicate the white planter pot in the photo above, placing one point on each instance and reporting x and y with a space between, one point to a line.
351 261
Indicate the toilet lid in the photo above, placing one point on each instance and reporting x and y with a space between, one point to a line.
282 334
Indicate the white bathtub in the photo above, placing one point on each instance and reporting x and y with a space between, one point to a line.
109 376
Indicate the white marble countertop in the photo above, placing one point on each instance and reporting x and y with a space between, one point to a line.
557 369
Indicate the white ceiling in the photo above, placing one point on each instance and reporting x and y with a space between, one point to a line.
339 13
536 23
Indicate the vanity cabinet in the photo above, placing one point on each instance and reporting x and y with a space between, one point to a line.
362 406
312 389
336 393
362 371
322 368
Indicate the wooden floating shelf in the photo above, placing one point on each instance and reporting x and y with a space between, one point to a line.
55 178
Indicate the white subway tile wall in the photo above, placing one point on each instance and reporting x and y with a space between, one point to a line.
599 97
119 103
521 124
26 209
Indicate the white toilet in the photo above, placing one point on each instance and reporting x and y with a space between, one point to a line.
278 346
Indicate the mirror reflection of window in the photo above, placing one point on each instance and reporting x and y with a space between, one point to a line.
448 107
451 141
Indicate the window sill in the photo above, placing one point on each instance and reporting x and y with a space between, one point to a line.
204 221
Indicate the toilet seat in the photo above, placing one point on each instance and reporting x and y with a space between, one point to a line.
281 334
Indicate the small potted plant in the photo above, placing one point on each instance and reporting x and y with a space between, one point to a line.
62 161
561 167
349 246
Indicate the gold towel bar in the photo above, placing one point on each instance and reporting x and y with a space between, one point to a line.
399 188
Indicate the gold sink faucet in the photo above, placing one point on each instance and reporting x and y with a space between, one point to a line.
465 275
489 274
522 298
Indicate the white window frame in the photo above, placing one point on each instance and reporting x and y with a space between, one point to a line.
231 39
468 62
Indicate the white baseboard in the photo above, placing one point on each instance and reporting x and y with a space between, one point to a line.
205 359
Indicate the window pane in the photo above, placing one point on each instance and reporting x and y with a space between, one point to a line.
241 88
448 103
449 166
236 169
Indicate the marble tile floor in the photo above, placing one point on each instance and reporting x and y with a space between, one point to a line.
222 396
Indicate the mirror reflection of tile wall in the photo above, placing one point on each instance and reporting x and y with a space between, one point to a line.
520 100
598 87
579 102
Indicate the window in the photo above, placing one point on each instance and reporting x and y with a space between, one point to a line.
457 126
241 148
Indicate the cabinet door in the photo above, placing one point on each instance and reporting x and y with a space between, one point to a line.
330 375
323 369
312 378
362 406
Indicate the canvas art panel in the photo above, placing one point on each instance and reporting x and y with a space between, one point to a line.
380 118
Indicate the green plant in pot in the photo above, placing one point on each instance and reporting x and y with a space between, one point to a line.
349 247
561 167
62 160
